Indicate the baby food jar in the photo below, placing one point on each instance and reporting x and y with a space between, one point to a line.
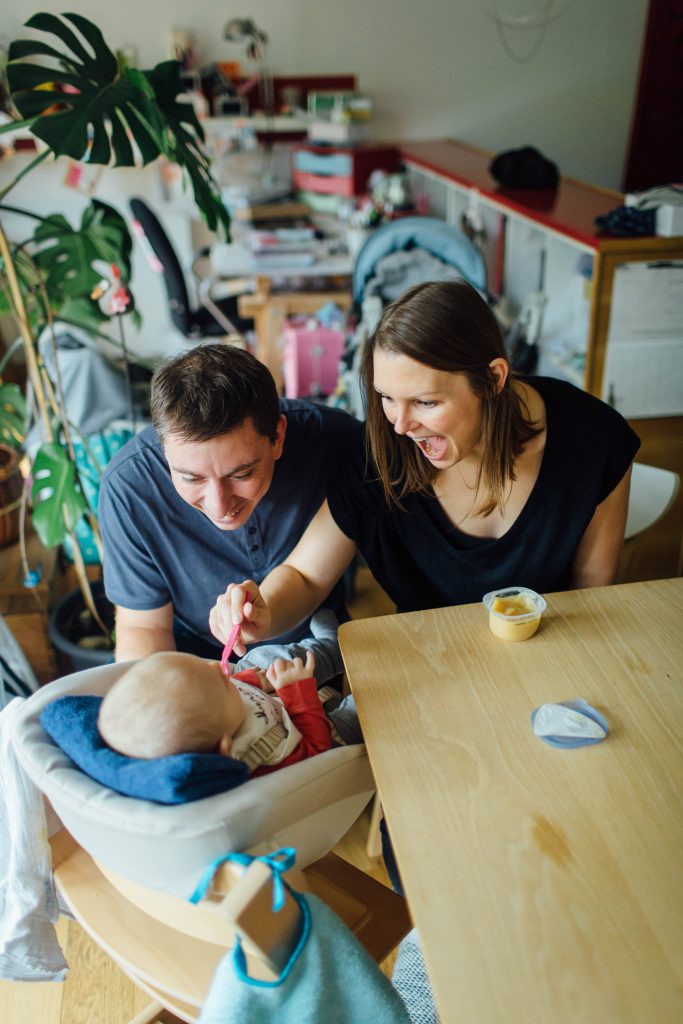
514 612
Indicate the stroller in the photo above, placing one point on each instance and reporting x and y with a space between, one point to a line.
397 256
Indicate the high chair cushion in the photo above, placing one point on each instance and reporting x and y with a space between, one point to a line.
72 724
310 805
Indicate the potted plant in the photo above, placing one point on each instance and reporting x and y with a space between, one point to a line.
79 99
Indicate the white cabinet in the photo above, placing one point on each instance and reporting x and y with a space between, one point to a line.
525 230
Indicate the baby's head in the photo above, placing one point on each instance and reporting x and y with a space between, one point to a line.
171 703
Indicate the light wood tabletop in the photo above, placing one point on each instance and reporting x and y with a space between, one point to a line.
546 884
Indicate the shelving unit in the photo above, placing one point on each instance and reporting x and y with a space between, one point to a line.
579 262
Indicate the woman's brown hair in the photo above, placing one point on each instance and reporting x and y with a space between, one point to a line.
446 325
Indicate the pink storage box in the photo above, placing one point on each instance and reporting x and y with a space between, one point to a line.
311 360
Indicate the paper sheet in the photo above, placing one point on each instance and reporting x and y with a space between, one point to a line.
643 373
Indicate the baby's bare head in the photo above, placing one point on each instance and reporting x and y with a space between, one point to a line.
169 703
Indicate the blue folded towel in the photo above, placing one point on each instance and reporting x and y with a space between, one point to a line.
178 779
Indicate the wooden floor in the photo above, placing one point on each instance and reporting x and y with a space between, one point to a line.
96 991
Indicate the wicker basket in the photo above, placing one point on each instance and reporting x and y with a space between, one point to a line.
11 483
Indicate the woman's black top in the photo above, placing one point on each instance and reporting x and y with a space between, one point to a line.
423 561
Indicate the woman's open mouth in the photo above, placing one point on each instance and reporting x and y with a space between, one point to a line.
433 447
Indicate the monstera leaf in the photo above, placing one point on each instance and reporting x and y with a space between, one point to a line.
12 415
67 255
58 504
183 142
110 111
109 104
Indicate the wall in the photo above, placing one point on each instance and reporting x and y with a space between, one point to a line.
433 67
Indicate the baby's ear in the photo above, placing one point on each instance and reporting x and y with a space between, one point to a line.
225 745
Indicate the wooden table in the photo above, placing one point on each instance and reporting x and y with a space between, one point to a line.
547 884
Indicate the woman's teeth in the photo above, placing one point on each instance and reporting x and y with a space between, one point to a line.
433 447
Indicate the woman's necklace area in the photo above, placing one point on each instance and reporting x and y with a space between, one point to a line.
456 495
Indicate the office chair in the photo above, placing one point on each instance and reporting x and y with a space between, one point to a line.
215 319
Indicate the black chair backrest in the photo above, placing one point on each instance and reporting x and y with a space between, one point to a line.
178 299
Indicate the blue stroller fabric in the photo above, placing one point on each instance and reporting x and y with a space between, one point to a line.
333 980
434 236
177 779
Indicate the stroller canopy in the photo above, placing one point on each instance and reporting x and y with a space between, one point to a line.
445 242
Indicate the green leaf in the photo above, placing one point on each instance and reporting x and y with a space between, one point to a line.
106 98
67 255
58 503
184 143
83 312
115 112
12 415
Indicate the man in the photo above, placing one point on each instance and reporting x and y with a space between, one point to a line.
221 487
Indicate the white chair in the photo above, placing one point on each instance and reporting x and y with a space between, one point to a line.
653 492
125 868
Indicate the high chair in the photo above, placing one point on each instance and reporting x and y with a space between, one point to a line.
126 868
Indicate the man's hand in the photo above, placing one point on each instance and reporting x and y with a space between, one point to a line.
282 672
232 608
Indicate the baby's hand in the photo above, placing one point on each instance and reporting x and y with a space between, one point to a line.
263 679
283 672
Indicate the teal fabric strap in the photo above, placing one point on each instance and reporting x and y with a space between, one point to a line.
278 862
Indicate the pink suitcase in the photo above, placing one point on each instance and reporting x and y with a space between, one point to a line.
311 360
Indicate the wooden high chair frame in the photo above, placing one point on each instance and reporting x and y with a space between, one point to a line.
170 948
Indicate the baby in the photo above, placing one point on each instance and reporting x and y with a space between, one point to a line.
172 703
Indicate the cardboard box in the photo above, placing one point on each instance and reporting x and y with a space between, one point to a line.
311 360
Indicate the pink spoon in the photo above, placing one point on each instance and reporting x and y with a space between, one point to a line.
227 650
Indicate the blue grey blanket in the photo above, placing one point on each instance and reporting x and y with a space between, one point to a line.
72 723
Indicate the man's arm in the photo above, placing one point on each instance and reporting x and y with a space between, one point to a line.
597 557
139 633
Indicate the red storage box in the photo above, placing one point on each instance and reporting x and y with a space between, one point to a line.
311 360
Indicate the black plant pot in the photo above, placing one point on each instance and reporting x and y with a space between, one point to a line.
71 629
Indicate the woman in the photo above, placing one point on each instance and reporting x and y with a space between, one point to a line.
471 479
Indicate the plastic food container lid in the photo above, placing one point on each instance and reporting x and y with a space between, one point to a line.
538 602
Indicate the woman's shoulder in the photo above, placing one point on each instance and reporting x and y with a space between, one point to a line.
565 398
578 420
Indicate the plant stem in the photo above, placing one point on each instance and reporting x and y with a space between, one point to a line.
22 213
25 329
29 167
15 126
10 352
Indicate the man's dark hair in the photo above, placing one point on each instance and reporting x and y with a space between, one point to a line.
211 390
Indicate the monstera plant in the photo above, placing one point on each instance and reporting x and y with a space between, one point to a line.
81 100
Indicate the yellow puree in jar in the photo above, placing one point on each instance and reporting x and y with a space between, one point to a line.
515 604
512 606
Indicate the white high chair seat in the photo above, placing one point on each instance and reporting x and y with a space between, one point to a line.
309 806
